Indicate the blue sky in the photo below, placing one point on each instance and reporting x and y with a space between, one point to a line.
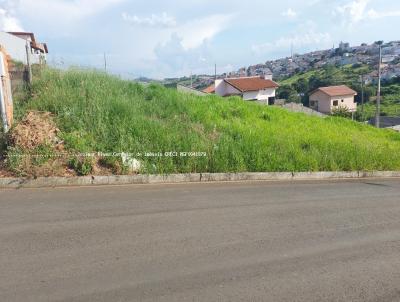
165 38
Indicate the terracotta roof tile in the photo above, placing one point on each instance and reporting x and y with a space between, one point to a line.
210 89
336 90
251 84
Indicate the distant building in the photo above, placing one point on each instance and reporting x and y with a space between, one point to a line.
15 44
249 88
327 99
344 46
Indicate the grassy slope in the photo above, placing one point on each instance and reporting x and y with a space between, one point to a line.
97 112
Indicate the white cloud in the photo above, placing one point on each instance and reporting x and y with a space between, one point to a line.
9 22
61 11
192 33
163 20
174 60
313 2
305 40
357 11
187 48
290 13
373 14
195 32
353 11
182 47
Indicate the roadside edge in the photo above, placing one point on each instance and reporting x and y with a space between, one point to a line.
42 182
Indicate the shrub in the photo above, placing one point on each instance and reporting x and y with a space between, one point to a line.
82 165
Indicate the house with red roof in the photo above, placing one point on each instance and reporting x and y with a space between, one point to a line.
328 99
249 88
16 43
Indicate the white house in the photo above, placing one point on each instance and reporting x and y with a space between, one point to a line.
15 44
249 88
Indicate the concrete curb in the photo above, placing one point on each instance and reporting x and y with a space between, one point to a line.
9 183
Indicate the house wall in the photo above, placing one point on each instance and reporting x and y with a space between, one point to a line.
26 37
261 95
346 101
5 92
325 102
15 47
223 89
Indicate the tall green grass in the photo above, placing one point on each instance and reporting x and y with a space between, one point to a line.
97 112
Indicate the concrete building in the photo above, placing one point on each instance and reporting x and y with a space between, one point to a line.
15 44
344 46
249 88
327 99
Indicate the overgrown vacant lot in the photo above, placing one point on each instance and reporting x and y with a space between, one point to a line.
97 112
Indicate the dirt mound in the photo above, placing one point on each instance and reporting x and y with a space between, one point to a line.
36 129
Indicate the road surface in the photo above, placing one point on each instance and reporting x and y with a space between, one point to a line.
308 241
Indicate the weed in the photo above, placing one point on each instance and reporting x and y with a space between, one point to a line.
96 112
82 165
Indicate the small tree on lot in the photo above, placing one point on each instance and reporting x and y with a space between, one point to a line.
294 97
287 92
341 112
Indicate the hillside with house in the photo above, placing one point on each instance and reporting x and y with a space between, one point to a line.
163 131
344 55
222 116
364 54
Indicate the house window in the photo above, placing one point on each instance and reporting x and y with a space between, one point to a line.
336 103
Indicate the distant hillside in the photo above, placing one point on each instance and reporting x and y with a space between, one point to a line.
344 55
100 113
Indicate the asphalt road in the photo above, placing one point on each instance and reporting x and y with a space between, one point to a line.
310 241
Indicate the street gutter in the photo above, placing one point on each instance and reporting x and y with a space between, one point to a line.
44 182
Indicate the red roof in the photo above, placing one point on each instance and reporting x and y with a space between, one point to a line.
336 90
22 34
36 45
210 89
40 46
251 84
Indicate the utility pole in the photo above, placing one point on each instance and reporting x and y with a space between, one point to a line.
28 62
191 79
378 98
362 97
291 51
105 62
215 72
